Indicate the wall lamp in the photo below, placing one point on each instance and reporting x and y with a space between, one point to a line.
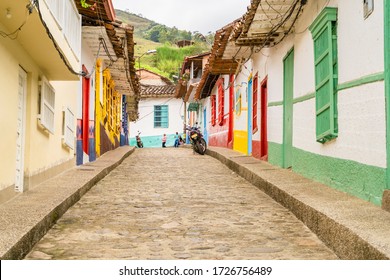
8 13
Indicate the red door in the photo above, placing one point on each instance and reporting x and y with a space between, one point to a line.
231 115
85 116
263 108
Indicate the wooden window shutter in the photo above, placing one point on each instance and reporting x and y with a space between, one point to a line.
47 98
324 31
255 102
221 102
213 110
68 128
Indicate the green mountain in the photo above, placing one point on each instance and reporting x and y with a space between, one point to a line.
140 23
149 35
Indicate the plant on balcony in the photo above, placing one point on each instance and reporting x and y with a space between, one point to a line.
84 4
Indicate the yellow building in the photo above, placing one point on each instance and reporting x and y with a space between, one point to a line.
37 114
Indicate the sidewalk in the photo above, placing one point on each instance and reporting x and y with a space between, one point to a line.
26 218
352 228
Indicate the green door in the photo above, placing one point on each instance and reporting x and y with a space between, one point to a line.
288 84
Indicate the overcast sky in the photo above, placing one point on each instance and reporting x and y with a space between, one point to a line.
195 15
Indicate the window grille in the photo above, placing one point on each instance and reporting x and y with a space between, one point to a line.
161 116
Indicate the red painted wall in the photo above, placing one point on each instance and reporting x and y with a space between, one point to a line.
218 134
256 149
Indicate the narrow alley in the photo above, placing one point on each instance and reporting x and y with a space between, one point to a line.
173 204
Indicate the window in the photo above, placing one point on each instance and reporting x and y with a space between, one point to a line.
255 102
324 32
221 102
213 110
68 129
161 116
46 106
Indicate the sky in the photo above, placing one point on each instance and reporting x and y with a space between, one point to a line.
196 15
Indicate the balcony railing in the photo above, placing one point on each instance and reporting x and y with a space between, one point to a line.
69 21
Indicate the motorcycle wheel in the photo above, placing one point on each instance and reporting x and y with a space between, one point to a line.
195 147
201 146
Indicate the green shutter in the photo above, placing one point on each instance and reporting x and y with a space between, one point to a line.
325 61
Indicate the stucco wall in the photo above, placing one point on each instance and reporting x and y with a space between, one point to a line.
361 110
145 122
42 150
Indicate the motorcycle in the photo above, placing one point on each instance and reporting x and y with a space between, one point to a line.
139 141
196 138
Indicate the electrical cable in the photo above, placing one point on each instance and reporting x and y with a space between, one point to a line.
62 56
14 35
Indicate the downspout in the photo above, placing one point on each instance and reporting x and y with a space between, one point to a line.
386 194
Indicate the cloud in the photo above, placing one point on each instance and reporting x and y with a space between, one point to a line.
199 15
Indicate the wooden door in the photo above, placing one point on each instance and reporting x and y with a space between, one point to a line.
85 116
231 111
250 124
263 120
20 131
288 93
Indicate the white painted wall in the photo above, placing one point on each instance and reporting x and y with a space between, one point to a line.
241 83
362 130
360 41
145 122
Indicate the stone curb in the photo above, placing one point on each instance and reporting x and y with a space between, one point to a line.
338 236
23 246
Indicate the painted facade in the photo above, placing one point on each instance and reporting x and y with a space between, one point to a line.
195 110
354 161
108 95
159 112
51 80
312 101
37 116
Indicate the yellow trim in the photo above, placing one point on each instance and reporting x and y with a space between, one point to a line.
240 143
98 107
111 107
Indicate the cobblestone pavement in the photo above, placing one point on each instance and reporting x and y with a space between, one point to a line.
173 204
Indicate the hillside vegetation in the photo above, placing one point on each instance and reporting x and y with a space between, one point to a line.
149 35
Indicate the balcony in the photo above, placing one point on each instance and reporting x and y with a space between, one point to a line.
51 18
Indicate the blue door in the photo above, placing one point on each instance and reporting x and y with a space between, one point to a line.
250 124
205 125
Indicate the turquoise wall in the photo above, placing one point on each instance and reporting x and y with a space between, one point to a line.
154 141
363 181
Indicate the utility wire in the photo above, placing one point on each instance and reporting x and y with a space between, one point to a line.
62 56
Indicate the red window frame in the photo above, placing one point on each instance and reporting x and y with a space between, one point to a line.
255 103
213 109
221 102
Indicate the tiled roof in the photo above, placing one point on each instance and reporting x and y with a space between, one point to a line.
149 75
217 64
157 91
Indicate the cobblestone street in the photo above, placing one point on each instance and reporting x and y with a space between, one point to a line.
173 204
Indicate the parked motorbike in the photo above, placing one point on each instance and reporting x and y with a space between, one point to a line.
139 141
196 138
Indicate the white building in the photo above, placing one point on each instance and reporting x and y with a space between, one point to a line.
159 112
312 90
